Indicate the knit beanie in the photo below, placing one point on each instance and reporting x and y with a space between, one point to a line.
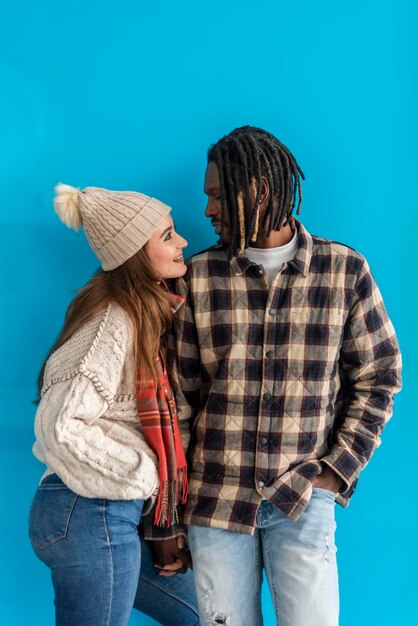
116 223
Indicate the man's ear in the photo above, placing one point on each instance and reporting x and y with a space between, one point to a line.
265 191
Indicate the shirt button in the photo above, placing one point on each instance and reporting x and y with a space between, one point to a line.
272 312
263 440
269 354
261 484
266 397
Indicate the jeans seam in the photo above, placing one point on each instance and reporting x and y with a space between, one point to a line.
273 587
258 568
111 560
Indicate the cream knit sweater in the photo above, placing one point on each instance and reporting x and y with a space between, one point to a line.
87 427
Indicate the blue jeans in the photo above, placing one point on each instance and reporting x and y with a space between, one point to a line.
100 567
299 559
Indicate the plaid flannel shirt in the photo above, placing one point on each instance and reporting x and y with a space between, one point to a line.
275 380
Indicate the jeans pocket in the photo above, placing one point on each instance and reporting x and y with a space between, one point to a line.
50 514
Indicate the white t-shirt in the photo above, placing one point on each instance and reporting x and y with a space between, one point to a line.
273 258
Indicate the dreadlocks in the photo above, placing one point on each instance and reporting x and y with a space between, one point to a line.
242 158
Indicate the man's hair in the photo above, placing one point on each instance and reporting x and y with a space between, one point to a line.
242 158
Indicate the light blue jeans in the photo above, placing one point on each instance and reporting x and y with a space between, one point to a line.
100 567
299 559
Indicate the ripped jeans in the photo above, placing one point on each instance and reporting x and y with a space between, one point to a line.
299 559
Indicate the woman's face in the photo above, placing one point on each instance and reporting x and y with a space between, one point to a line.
165 250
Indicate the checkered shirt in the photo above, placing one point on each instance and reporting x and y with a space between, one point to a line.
273 380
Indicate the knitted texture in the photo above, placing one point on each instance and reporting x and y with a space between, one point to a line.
87 427
116 223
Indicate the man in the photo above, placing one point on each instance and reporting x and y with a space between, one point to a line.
287 365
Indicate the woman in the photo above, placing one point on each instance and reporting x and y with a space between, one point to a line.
106 425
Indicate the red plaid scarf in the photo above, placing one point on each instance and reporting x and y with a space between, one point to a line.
158 415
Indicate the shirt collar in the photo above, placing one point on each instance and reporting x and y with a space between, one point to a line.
302 259
300 262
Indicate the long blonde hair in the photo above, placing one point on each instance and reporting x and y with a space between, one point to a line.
136 288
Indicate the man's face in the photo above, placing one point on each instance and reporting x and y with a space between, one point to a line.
213 210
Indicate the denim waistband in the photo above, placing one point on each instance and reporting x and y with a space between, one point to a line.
52 479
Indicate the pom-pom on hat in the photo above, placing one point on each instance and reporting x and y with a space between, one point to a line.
116 223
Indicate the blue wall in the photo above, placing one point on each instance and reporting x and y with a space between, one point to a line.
130 98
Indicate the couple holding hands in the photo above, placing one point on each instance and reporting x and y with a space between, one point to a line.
203 418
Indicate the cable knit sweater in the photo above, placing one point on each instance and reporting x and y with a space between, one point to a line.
87 427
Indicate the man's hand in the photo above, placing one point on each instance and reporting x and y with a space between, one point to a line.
328 479
170 556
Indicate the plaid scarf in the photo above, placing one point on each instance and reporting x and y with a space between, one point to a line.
158 415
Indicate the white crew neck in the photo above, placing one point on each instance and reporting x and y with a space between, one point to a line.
272 259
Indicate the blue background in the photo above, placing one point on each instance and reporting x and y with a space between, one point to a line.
130 98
